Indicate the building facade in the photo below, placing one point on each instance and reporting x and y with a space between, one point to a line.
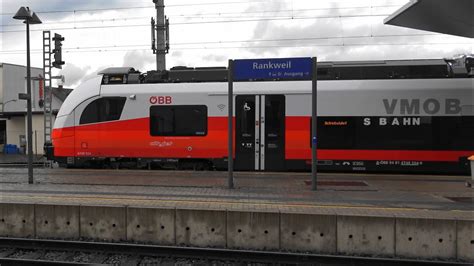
13 115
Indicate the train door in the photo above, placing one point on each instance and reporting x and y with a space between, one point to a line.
273 133
260 132
246 133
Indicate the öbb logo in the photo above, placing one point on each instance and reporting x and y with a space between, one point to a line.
161 100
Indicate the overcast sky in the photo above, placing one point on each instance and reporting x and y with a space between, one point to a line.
209 32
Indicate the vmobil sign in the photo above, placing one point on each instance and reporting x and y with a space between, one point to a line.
274 68
429 106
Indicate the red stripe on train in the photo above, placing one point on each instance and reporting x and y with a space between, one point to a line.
131 138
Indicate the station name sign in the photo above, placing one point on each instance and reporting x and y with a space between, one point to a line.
276 68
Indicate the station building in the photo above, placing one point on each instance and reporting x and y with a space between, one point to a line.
13 112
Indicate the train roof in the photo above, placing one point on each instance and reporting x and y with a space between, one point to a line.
458 67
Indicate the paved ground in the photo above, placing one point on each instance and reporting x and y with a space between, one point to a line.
447 195
6 159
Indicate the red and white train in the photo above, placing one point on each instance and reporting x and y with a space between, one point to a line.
382 116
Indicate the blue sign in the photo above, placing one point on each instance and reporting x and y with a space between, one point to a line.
273 68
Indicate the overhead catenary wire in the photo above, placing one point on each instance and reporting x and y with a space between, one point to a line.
114 48
95 50
286 46
168 6
206 15
288 10
204 22
241 41
136 7
143 7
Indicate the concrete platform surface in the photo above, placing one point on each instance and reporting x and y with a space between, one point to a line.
268 190
393 216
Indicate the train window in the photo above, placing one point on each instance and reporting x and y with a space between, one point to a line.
102 110
415 133
91 113
334 132
453 133
247 119
465 132
111 108
274 115
395 133
178 120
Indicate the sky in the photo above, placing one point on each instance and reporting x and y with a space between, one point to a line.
115 33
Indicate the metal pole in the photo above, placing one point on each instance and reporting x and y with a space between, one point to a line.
160 35
153 36
36 143
314 125
230 125
28 106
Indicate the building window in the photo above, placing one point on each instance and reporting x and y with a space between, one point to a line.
178 120
102 110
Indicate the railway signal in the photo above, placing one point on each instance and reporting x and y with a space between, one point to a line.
58 62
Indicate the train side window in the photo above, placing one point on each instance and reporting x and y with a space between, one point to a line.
247 119
274 112
454 133
111 108
395 133
178 120
333 132
91 113
102 110
465 132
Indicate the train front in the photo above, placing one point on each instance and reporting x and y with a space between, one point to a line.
62 142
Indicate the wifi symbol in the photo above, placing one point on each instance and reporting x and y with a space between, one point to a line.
221 107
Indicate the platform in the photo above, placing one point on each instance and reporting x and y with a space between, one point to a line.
17 159
421 216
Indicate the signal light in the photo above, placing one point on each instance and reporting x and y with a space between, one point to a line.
58 62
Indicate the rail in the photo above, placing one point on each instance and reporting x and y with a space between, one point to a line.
34 251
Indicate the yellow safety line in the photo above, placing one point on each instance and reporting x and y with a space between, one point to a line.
304 205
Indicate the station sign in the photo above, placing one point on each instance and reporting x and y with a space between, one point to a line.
299 68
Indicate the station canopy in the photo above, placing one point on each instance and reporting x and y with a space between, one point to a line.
454 17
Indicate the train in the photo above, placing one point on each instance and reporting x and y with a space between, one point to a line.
393 116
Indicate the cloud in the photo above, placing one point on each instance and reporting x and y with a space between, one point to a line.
176 54
140 60
263 26
104 43
330 36
73 74
214 58
40 7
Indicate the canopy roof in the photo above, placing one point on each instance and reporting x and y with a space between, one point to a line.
454 17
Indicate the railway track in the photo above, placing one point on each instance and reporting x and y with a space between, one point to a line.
15 251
